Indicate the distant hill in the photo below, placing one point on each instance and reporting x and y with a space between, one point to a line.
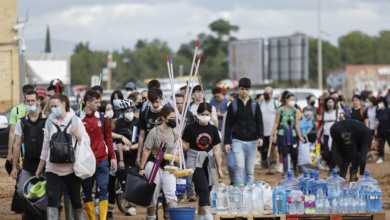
57 46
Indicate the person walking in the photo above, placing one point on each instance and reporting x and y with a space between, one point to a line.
243 132
58 173
201 142
164 180
382 129
29 132
286 131
99 130
268 108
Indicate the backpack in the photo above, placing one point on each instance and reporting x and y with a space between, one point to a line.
61 149
253 105
32 137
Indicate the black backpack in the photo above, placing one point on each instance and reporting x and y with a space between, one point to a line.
32 137
61 150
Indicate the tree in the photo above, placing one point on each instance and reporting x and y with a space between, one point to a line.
330 59
356 48
382 48
214 66
47 42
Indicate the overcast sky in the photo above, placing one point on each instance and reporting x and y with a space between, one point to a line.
109 25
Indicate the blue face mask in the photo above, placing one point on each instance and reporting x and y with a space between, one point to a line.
116 102
56 111
330 106
31 109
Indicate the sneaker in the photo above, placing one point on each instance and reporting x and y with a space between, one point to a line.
380 160
263 165
191 198
280 168
131 211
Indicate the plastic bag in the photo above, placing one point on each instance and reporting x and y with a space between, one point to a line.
85 163
304 154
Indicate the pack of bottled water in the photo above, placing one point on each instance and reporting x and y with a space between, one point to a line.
304 195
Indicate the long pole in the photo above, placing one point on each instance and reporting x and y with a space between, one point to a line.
319 51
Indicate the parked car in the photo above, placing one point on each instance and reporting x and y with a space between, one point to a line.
4 131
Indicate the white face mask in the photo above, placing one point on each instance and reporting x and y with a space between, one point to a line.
129 116
204 119
110 114
381 105
291 103
367 104
127 94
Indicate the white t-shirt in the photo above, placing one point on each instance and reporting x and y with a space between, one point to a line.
371 117
268 111
18 128
329 119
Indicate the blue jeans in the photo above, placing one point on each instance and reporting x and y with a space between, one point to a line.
245 155
101 176
189 186
231 165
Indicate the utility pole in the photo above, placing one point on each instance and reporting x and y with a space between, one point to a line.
319 47
109 73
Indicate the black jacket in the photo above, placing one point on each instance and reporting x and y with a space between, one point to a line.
241 125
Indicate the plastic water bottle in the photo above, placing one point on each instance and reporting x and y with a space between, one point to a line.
213 198
326 206
257 198
320 201
303 179
247 195
222 197
279 200
367 180
316 183
290 183
377 206
334 206
334 185
361 207
295 202
235 198
352 205
306 182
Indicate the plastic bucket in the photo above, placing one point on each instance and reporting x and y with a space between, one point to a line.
182 213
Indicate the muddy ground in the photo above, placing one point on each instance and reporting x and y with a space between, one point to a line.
379 171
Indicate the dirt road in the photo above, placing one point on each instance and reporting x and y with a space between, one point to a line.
381 172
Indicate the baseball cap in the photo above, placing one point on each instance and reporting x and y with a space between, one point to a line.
130 85
41 91
196 88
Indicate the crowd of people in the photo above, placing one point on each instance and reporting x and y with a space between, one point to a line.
125 133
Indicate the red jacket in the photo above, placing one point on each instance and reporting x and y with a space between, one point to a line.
99 142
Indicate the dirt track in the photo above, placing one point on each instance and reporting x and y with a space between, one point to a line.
379 171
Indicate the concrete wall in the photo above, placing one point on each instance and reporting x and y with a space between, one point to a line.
10 87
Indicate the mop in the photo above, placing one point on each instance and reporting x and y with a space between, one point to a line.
181 171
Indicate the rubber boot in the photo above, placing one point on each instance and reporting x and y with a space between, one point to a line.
69 213
110 213
78 214
52 213
151 212
90 209
103 209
